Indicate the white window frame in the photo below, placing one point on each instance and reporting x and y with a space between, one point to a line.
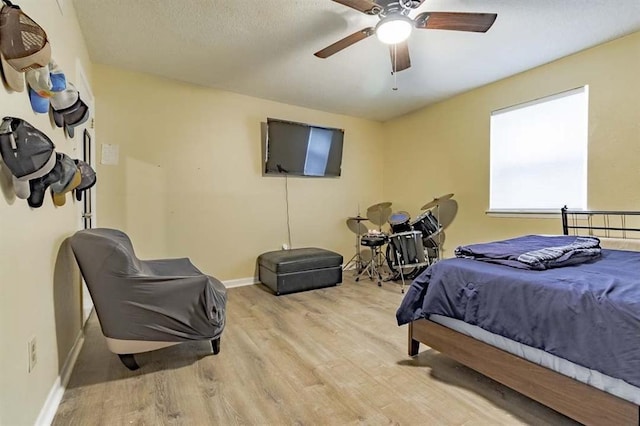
503 137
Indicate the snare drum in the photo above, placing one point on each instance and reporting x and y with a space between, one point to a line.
427 224
399 222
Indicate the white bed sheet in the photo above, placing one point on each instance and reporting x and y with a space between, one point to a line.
582 374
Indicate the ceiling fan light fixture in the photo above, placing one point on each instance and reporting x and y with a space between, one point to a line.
394 29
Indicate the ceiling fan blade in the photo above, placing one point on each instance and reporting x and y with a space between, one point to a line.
399 56
457 21
364 6
344 43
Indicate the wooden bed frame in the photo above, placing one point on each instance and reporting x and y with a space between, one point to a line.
570 397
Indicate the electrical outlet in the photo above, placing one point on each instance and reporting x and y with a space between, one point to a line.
285 246
33 354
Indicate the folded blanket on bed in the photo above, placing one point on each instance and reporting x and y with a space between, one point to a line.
534 251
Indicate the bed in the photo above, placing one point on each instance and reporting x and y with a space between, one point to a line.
594 380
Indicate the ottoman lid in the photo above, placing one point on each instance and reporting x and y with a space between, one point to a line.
302 259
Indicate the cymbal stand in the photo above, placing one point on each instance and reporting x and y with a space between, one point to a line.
379 258
439 245
356 260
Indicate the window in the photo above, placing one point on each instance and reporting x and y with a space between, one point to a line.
539 154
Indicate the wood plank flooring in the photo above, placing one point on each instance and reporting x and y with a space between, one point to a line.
328 357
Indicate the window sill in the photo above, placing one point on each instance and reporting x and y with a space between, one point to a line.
525 214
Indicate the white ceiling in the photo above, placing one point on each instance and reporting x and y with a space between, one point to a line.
264 48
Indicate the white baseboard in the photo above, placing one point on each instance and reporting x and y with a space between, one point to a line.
240 282
50 407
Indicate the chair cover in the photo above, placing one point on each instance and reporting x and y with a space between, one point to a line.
153 300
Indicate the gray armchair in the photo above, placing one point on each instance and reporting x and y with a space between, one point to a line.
144 305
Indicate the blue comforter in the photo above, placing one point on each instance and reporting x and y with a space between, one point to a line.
588 313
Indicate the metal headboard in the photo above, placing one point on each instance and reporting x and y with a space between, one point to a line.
601 223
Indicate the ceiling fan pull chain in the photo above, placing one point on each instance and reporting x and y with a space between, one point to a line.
395 67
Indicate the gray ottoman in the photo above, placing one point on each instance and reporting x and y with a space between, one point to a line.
288 271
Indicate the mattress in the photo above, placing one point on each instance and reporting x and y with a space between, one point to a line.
582 374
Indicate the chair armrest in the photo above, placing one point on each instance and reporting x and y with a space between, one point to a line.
172 267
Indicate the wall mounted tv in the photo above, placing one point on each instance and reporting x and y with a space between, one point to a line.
302 149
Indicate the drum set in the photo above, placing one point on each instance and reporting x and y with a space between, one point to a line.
411 245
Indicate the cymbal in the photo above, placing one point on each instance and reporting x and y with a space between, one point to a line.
380 206
379 216
357 218
445 212
436 201
356 226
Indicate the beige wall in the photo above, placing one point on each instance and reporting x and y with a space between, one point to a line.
445 148
40 290
189 179
219 210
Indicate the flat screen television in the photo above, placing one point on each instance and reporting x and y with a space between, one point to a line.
302 149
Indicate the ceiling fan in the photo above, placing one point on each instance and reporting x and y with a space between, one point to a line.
395 26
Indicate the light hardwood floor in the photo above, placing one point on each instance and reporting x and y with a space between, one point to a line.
328 356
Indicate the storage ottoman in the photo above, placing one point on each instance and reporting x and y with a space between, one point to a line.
288 271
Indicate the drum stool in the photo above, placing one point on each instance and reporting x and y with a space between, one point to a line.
374 242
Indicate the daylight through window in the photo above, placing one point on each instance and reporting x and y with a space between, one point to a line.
539 154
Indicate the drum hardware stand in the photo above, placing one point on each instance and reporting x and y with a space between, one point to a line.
439 232
400 266
372 270
356 259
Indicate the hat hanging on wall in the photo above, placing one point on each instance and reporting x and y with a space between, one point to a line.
76 117
26 151
62 102
70 178
39 185
88 178
68 109
44 83
23 45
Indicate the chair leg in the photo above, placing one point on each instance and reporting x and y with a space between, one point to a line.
129 361
215 345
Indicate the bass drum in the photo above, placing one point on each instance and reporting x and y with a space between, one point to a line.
392 263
